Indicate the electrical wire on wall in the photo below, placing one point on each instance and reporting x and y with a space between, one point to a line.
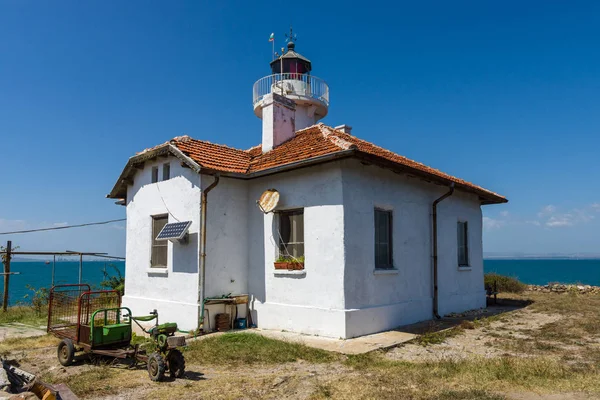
285 254
164 203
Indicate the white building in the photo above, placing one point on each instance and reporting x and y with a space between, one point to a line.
362 218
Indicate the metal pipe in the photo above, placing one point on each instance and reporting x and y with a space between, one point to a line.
435 250
202 248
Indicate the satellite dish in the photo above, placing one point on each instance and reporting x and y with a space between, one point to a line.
268 200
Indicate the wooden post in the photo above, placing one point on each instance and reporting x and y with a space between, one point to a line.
80 266
53 267
6 275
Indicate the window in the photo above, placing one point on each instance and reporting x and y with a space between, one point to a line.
383 239
291 233
154 174
166 172
463 244
158 258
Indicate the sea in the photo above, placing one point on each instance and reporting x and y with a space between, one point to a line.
544 271
38 274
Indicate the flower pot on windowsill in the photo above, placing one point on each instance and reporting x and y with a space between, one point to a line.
289 265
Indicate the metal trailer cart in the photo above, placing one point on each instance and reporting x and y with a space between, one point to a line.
94 322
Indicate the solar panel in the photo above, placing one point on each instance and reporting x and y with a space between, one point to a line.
174 230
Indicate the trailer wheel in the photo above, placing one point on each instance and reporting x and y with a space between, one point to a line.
66 352
176 363
156 367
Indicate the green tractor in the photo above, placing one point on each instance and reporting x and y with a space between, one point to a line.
94 322
165 347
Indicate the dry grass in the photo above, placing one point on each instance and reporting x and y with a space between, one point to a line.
100 381
15 344
25 315
575 337
495 375
437 337
558 357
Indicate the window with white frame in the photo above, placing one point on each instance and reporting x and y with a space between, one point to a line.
463 243
158 257
166 172
291 234
383 239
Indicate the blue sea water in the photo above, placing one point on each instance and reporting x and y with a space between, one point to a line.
532 271
544 271
38 274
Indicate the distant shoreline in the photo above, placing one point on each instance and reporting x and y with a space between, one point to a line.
62 260
490 257
595 257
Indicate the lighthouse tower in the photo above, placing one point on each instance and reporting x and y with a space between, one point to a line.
290 98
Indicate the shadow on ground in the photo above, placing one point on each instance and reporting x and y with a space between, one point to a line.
494 308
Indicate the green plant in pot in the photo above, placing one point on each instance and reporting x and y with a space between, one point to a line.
289 262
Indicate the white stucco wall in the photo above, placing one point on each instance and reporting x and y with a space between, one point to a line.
314 301
338 294
171 290
380 300
226 243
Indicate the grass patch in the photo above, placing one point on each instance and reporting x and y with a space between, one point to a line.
438 337
248 348
439 379
473 394
25 315
99 381
12 344
506 284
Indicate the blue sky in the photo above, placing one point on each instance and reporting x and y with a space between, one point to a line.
503 94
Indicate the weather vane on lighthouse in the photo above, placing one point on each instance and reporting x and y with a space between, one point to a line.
292 37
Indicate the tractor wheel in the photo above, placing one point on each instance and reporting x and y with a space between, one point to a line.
176 363
66 352
156 367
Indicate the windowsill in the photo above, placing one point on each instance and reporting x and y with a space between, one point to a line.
385 271
464 268
289 272
158 271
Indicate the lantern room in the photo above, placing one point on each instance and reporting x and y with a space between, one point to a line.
291 78
291 62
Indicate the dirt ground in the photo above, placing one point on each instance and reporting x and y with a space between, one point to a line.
485 341
548 350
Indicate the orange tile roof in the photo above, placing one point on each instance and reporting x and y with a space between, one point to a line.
214 156
315 141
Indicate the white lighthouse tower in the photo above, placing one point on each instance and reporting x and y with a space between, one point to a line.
289 95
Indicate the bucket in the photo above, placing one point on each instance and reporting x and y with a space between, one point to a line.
240 323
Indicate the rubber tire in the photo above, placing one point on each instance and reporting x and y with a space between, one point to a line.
66 352
156 367
176 363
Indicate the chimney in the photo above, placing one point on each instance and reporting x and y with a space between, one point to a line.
344 128
279 120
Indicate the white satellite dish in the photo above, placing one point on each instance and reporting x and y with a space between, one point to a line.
268 200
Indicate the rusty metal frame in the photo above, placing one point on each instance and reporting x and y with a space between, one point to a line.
61 308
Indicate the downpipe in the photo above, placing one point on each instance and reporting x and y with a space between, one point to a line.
435 249
202 248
